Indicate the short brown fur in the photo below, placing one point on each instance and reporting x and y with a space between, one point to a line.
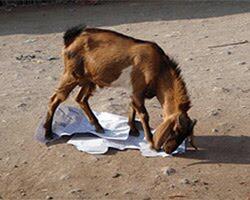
97 57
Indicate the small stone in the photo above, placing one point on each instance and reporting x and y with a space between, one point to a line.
196 181
226 90
39 61
21 105
52 78
189 59
50 58
62 155
229 52
49 197
205 183
168 171
242 63
172 186
185 181
23 194
218 89
214 112
65 177
73 191
116 175
29 41
41 71
93 159
15 166
214 130
106 194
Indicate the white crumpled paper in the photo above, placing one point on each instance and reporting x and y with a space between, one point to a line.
71 121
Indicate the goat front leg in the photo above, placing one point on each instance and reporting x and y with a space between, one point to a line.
131 121
67 84
83 102
138 104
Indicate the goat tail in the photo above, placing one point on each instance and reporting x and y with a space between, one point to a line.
72 33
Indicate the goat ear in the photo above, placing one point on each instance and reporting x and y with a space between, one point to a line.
162 132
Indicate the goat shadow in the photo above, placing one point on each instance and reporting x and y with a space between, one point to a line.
212 149
220 149
57 18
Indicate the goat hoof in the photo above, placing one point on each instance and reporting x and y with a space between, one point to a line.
48 135
134 132
99 129
151 146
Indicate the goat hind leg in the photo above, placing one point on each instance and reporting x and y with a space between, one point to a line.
66 85
131 121
83 102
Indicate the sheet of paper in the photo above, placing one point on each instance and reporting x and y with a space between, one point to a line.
71 121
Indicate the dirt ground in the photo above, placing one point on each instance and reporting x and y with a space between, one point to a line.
218 80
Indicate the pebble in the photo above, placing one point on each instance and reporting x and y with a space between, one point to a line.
29 41
23 194
168 171
25 58
50 58
41 71
52 78
218 89
214 113
21 105
189 59
26 98
65 177
25 162
185 181
62 155
205 183
93 159
49 197
76 190
116 175
242 63
214 130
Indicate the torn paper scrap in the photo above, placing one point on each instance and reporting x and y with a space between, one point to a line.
71 121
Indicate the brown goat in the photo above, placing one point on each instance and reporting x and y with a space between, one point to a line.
96 57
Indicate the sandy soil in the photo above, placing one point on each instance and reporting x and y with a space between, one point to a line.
218 81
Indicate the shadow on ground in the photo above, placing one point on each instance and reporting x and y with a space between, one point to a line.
220 149
54 19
